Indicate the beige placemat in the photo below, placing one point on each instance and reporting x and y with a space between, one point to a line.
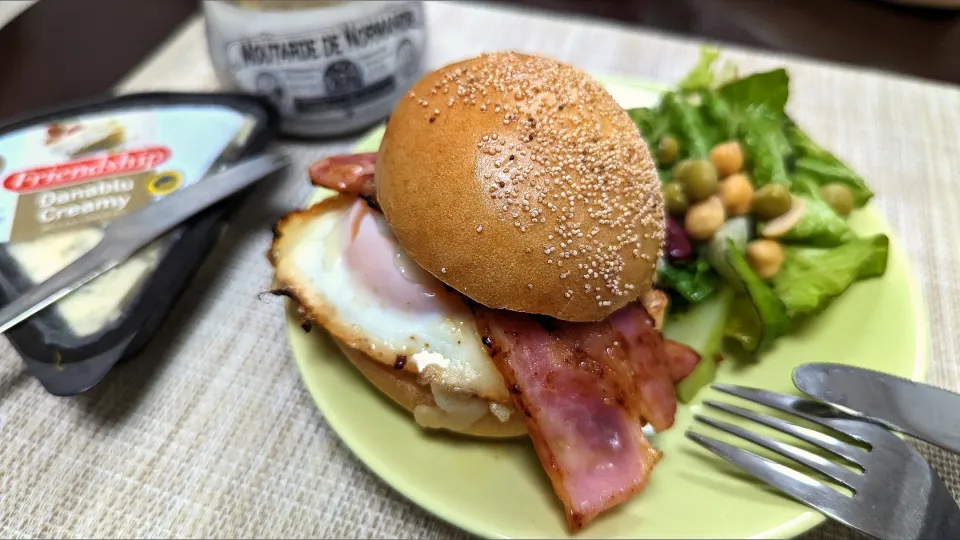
211 433
9 9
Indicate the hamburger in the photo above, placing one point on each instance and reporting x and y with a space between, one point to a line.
491 269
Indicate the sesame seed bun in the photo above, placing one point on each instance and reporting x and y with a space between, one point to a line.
520 182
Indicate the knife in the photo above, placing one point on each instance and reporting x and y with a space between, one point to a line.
126 235
922 411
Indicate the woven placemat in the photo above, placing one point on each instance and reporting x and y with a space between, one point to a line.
210 433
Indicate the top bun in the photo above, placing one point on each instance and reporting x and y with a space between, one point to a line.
520 182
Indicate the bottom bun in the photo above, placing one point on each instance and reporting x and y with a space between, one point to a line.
403 388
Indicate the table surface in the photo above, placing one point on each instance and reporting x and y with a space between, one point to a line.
210 432
903 36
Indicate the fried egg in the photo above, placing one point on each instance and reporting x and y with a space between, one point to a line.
341 262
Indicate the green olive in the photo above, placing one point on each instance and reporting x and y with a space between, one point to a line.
667 150
680 169
839 197
771 201
675 199
699 180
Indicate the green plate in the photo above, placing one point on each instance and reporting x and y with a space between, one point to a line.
498 489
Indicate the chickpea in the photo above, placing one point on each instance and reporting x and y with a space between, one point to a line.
705 218
736 192
727 157
765 257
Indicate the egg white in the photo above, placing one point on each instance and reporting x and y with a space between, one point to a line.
434 338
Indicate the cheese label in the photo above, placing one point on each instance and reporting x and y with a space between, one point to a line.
88 171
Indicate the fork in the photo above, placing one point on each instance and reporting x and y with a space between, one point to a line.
897 495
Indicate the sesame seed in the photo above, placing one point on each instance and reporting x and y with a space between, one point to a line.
479 228
591 187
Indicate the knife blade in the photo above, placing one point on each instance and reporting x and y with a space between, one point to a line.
920 410
127 234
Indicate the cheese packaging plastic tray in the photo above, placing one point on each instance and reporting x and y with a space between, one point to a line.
66 174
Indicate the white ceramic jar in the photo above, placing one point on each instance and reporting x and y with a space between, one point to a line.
330 67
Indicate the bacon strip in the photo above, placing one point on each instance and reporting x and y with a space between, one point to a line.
579 389
347 173
682 360
650 363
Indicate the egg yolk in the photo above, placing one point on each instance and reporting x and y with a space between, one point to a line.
373 255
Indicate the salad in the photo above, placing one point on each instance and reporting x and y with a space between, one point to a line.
757 237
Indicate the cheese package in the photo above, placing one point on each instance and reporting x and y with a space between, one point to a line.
66 175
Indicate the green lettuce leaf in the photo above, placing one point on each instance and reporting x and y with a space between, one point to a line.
821 167
757 317
803 184
743 324
727 73
694 281
824 173
688 125
700 328
739 229
720 114
666 176
651 123
701 76
770 89
811 278
766 145
819 226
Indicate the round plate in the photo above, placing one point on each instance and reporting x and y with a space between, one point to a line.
499 490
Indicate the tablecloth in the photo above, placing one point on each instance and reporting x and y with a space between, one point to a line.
210 432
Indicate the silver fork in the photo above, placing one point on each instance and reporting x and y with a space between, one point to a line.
897 496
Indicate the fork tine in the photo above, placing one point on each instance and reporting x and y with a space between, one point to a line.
789 404
824 442
795 484
813 461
